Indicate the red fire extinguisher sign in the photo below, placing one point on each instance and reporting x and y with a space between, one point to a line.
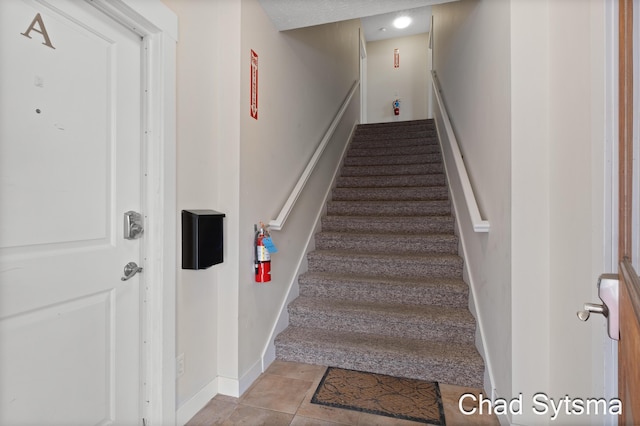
254 85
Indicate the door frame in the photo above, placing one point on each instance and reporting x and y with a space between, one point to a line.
363 78
157 26
609 372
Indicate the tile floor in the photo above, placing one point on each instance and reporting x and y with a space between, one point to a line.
282 395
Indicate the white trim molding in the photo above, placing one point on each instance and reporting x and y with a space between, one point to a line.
157 25
479 224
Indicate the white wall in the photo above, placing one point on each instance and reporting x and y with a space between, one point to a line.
524 83
410 82
245 168
197 164
471 58
304 76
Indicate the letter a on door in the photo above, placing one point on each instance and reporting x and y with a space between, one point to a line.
42 30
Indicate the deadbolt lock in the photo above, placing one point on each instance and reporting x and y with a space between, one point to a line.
133 227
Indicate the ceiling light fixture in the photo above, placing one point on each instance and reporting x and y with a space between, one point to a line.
402 22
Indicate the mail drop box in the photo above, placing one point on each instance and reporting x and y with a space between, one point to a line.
202 240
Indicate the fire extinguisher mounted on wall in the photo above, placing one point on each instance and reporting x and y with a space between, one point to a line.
263 247
396 107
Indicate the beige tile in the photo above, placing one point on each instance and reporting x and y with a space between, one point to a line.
277 393
372 419
324 413
282 396
246 415
306 421
454 416
296 370
214 413
226 398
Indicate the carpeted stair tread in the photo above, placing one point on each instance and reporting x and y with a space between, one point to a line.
384 289
411 193
418 149
378 160
392 224
374 146
393 169
396 127
410 290
392 265
443 362
434 179
389 208
435 323
389 136
387 243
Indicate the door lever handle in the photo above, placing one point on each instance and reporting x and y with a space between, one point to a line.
592 308
608 293
130 269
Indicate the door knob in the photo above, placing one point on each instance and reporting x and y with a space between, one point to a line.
130 269
608 293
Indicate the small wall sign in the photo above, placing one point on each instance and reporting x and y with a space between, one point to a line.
254 85
396 58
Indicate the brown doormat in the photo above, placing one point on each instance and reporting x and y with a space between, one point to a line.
396 397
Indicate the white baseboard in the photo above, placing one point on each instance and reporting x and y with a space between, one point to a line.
219 385
250 376
234 387
196 403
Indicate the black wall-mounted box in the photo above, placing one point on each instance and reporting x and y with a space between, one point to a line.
201 239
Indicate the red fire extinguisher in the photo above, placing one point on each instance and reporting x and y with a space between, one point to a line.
262 256
396 107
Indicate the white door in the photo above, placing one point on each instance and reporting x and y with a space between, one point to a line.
70 166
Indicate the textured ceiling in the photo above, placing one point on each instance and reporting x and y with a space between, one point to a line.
380 27
290 14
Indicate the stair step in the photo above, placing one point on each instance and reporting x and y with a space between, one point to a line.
393 224
375 144
434 179
383 291
392 265
411 291
396 150
435 323
443 362
414 193
395 170
393 135
396 126
387 243
389 208
417 121
378 160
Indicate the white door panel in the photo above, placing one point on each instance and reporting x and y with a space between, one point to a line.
70 166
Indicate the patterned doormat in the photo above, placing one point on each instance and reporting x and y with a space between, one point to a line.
396 397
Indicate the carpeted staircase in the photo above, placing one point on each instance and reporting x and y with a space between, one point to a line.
384 290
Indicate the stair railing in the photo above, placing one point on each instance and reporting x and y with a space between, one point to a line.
479 224
278 223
